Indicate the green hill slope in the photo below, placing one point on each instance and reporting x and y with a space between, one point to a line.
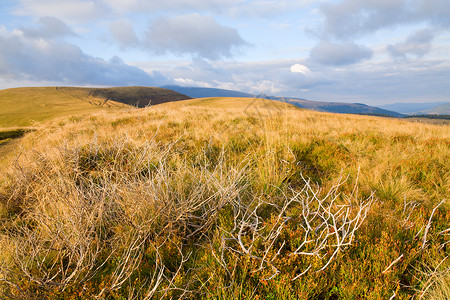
25 107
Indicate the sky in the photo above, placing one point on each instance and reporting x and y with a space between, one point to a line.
366 51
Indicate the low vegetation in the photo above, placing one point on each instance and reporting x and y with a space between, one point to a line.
227 199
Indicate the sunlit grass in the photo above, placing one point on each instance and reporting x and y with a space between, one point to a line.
208 199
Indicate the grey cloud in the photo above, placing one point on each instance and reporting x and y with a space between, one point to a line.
123 33
353 18
192 34
383 82
68 10
48 27
263 8
329 53
217 6
40 60
233 8
418 44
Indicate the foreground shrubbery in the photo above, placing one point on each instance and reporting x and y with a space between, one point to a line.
262 202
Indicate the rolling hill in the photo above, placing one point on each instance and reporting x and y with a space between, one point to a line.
25 107
137 95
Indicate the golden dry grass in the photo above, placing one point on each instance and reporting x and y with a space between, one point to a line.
147 202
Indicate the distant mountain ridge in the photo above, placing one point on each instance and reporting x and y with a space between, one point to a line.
443 109
334 107
201 92
343 108
419 108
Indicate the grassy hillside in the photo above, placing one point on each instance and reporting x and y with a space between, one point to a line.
22 107
26 107
227 199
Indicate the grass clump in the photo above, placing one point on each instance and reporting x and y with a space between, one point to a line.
188 200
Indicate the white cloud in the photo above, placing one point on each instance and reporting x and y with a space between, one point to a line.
298 68
191 82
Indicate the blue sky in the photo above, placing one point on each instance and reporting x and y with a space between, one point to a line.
367 51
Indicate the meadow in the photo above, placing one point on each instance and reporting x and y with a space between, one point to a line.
226 198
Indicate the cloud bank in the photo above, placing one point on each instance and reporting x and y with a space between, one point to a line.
33 57
192 34
353 18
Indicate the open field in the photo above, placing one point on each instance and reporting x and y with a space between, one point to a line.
226 199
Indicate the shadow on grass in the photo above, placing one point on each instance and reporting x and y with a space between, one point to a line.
12 134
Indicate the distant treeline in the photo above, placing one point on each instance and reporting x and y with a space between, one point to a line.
441 117
378 115
434 116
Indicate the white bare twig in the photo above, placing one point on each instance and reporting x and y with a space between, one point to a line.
392 263
424 240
